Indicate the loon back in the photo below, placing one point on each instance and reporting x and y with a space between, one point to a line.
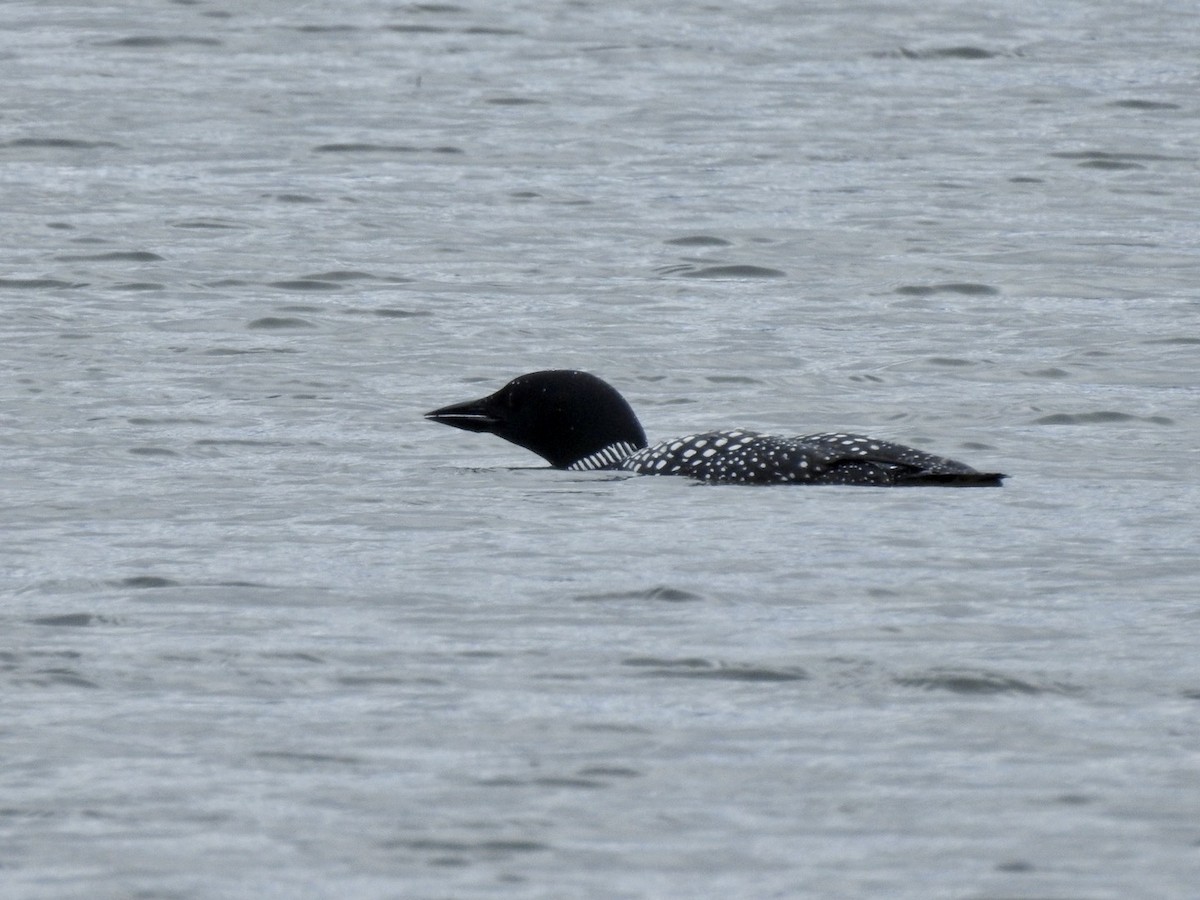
574 420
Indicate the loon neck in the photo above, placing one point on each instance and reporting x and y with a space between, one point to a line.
605 458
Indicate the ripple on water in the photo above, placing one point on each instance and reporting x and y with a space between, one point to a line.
355 275
454 852
352 147
1143 104
965 51
33 283
733 271
214 224
1100 417
295 198
514 101
113 256
980 681
279 323
304 284
695 667
132 286
1101 159
966 288
661 593
324 29
151 42
152 451
146 581
43 669
698 240
1052 372
57 143
388 313
71 620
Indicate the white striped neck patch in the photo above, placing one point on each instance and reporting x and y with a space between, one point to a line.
604 459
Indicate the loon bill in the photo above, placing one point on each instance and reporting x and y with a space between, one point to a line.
574 420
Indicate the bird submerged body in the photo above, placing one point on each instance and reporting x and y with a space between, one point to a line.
576 421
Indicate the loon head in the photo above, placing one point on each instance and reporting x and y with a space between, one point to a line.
561 415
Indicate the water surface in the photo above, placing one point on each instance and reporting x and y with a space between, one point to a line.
267 631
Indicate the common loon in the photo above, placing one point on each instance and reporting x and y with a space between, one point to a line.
574 420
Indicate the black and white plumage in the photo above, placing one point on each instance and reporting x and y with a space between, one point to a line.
576 421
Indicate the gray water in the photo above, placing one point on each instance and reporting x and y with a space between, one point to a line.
266 632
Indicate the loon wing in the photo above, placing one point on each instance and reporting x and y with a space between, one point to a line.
860 459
